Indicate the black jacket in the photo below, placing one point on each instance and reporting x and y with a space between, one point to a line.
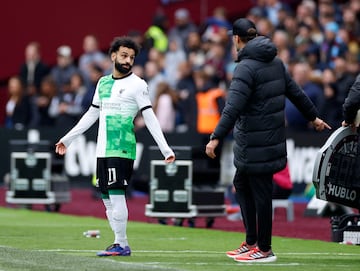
352 102
255 108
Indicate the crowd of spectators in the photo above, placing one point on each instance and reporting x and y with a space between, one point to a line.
317 40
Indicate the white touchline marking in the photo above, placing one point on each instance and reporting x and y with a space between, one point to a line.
199 252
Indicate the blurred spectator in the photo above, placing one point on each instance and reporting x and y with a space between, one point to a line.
173 57
305 9
153 77
255 14
231 65
186 89
265 27
282 43
328 11
272 9
143 55
66 107
301 74
64 68
215 27
336 84
332 46
156 34
344 78
48 90
20 111
303 43
33 70
165 107
139 70
157 57
95 73
214 65
183 26
92 55
194 50
316 32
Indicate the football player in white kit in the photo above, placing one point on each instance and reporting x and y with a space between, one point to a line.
117 100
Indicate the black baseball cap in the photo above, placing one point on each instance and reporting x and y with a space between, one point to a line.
241 27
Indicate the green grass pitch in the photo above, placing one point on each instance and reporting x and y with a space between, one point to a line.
39 241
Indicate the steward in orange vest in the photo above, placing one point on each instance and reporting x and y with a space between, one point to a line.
209 106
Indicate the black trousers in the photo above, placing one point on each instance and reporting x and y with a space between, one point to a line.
254 192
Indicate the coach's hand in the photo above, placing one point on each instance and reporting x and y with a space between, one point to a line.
320 125
210 148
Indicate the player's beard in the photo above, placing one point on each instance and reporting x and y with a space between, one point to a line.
121 68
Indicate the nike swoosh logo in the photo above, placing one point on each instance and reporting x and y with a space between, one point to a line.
112 182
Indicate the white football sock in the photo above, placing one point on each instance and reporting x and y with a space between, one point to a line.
109 211
119 219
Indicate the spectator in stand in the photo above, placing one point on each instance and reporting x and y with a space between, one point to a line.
183 26
332 46
19 111
64 68
282 42
153 77
173 57
139 38
352 19
186 89
266 28
33 70
230 66
272 9
306 8
303 42
317 34
215 27
66 107
329 10
336 84
215 61
165 106
48 90
194 51
301 74
138 70
95 74
255 14
158 57
92 55
218 19
156 34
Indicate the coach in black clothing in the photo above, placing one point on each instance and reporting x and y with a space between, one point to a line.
255 109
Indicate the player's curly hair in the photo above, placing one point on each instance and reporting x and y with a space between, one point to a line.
124 41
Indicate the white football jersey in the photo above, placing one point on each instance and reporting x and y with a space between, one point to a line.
119 101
